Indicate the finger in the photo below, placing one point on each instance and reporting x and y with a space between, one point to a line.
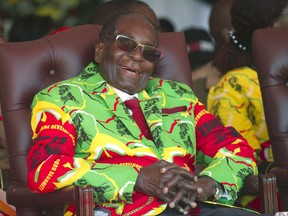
188 202
190 186
191 200
166 199
180 194
175 168
187 209
177 180
179 209
178 171
168 167
183 208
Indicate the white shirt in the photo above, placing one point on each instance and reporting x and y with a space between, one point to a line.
123 95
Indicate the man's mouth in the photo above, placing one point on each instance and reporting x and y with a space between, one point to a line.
129 69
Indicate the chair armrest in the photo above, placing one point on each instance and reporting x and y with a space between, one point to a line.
265 186
85 201
268 193
21 197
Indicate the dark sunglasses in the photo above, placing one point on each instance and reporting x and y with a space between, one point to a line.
128 45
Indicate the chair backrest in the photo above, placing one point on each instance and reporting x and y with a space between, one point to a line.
28 67
270 53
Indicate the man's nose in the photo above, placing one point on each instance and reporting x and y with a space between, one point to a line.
137 53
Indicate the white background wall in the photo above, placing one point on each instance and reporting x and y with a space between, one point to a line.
182 13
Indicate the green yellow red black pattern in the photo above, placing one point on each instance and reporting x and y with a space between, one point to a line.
83 134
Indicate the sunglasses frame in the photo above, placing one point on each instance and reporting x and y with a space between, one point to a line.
145 48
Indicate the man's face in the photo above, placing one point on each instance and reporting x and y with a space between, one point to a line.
127 71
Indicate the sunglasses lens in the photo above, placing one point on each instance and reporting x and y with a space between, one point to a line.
128 45
125 44
151 54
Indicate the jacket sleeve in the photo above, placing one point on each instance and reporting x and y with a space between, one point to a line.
229 159
53 163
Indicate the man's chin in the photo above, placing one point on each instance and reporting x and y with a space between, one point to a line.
130 90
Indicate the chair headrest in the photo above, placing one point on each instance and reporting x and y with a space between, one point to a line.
34 65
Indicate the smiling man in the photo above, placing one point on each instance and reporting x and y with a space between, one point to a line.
84 133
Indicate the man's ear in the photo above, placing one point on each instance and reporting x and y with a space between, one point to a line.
99 49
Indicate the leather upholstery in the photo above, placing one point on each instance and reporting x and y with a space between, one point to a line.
270 52
28 67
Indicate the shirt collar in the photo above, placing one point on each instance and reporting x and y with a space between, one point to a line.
123 95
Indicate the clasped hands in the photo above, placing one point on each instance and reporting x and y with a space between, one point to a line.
174 185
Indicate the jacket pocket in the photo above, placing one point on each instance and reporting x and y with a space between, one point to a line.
167 111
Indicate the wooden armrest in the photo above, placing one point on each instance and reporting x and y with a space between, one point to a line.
21 197
86 201
268 193
265 186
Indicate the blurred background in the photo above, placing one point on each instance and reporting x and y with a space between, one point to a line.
182 14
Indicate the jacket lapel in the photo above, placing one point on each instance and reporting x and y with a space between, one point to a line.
156 109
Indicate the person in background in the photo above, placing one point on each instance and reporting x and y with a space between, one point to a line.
166 25
84 133
236 99
219 27
201 51
30 27
208 75
220 22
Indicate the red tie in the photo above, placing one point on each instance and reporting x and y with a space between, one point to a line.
133 105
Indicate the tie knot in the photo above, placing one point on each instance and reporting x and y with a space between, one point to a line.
132 103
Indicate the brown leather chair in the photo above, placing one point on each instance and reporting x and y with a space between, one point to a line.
28 67
270 51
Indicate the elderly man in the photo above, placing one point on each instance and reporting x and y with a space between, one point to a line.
86 131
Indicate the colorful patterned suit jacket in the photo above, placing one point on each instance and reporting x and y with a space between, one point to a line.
84 135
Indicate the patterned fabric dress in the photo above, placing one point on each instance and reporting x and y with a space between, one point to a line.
236 101
84 135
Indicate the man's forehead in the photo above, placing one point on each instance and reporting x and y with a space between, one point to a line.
142 30
134 24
